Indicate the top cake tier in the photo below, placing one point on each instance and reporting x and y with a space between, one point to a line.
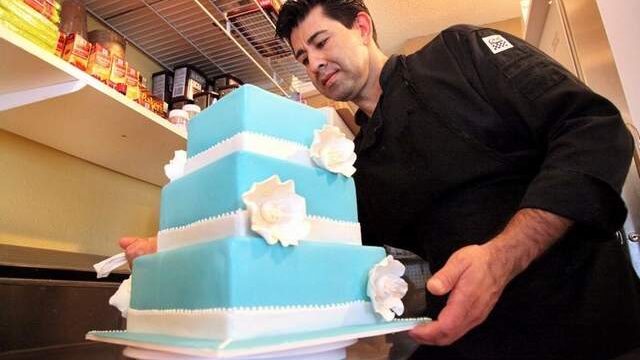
251 109
276 152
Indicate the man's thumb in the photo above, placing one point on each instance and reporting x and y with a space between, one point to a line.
443 281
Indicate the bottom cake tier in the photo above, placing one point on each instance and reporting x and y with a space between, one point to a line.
241 287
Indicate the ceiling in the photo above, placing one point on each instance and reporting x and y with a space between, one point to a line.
400 20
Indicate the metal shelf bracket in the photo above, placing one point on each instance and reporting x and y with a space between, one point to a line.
24 97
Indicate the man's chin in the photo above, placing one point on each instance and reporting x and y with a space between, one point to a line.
335 94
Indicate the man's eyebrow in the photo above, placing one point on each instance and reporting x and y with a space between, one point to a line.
311 38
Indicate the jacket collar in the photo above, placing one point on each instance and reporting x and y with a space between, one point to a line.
370 126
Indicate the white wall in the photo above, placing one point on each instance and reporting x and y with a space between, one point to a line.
621 23
55 201
623 30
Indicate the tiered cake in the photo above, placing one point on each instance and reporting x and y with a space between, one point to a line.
259 233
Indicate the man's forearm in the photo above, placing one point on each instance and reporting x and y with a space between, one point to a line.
527 236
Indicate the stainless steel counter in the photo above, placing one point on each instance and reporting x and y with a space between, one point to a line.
26 257
49 300
83 351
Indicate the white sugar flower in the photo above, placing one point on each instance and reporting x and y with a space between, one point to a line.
386 288
277 213
175 168
122 297
333 151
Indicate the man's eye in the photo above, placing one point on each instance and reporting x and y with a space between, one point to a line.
305 61
322 43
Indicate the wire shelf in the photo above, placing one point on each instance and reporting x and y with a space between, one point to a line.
217 36
257 26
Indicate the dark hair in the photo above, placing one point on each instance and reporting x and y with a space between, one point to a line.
293 12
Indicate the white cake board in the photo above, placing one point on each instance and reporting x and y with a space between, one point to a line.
333 351
317 345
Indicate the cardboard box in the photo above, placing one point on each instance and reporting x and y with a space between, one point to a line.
76 51
99 65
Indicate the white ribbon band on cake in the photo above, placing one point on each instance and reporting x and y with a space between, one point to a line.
331 150
252 142
277 213
246 323
386 288
238 222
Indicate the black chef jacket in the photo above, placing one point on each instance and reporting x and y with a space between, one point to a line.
467 131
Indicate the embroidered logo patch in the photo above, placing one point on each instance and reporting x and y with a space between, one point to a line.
497 43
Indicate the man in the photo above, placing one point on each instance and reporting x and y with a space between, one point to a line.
496 165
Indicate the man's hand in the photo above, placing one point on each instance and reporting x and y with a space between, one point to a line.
476 275
475 284
135 246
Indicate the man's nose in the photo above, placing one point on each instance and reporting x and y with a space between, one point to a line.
317 64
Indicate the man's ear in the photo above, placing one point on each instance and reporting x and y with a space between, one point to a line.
364 25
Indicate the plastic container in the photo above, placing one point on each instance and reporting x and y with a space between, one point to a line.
110 41
179 118
192 110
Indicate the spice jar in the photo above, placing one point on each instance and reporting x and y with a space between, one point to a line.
179 118
192 110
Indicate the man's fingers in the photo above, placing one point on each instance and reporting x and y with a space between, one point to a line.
434 333
473 294
125 241
133 251
452 323
462 313
136 249
443 281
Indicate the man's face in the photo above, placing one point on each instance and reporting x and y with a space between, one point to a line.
336 57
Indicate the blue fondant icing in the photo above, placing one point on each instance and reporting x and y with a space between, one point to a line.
218 187
246 271
250 108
